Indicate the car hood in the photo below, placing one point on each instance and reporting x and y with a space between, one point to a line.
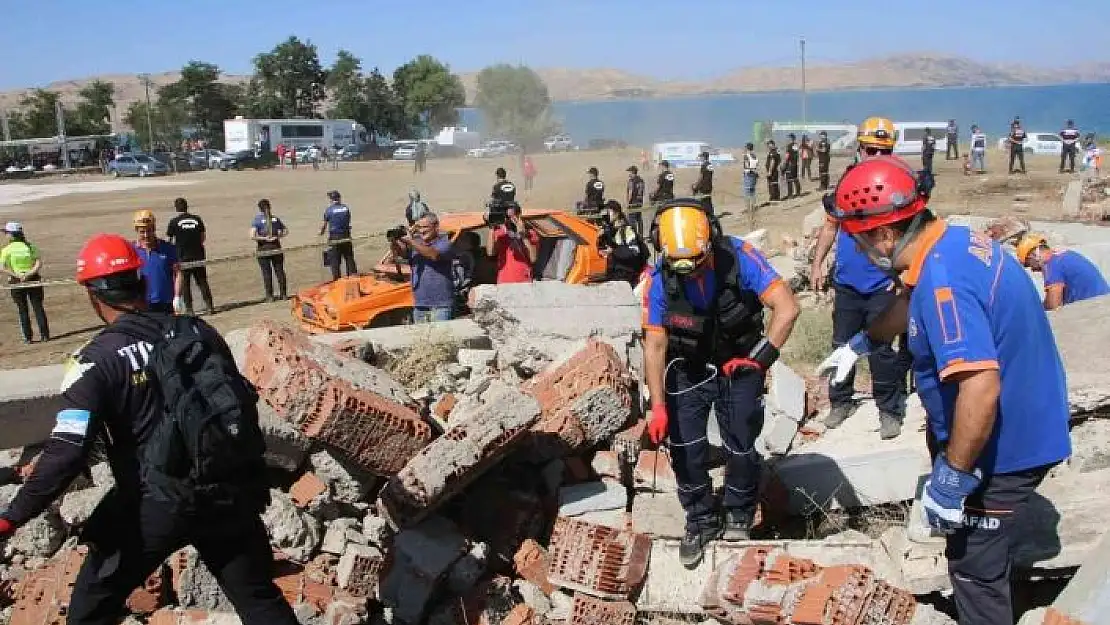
350 302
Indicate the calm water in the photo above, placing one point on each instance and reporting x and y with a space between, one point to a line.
727 120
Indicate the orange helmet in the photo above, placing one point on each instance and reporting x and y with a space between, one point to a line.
143 218
683 236
877 192
876 132
1029 243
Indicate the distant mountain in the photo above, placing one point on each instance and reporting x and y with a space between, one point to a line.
566 84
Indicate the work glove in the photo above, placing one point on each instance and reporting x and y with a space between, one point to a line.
7 528
734 366
657 426
179 305
759 359
945 492
843 359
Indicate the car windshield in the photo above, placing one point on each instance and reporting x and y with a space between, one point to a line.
144 159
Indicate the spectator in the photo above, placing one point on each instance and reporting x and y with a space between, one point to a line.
978 150
928 149
806 156
464 265
634 198
417 207
314 157
337 223
621 245
529 173
293 156
281 155
1017 145
420 160
429 254
751 176
267 232
20 261
186 231
952 132
514 245
160 266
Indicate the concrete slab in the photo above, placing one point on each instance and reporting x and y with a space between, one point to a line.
558 310
1073 199
1082 334
658 515
787 393
463 331
29 399
591 497
1087 596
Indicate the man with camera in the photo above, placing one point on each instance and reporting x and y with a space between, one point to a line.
429 255
621 245
511 242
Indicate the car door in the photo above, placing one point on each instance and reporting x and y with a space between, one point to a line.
126 165
1049 144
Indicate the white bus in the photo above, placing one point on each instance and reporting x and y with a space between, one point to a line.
265 135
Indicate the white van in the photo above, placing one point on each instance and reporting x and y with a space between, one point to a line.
682 154
908 135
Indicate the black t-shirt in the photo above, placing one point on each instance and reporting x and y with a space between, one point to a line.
503 191
823 148
595 193
928 145
704 184
1017 136
665 185
635 191
187 233
106 397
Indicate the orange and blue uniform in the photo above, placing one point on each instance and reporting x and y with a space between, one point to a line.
1077 276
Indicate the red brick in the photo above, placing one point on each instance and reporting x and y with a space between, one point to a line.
1052 616
445 405
42 596
653 471
307 488
170 616
531 562
521 614
588 610
151 595
597 560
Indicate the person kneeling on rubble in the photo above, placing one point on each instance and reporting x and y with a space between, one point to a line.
988 372
186 477
705 346
619 243
1068 275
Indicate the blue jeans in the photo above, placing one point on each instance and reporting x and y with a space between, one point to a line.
979 160
428 314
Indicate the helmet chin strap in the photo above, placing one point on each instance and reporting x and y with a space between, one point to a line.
886 263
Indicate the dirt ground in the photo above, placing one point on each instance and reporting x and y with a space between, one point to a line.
377 194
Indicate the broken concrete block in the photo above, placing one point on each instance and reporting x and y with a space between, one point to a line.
286 446
557 309
399 338
787 392
422 555
78 505
533 597
591 497
376 529
597 560
293 532
606 464
562 603
1073 195
195 586
359 570
922 567
477 360
658 515
1082 330
340 532
334 399
849 479
347 484
1086 596
176 616
459 456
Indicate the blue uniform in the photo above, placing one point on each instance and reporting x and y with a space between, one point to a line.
338 217
157 269
855 270
972 309
1076 275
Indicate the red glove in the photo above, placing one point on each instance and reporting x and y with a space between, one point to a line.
740 365
657 426
6 528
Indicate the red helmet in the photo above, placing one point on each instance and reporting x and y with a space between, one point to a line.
104 256
877 192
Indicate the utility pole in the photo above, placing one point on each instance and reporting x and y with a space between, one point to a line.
149 127
60 114
4 125
804 112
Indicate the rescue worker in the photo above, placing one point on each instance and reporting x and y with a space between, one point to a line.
503 190
634 200
20 261
696 360
824 158
1070 136
187 233
988 373
1017 145
664 184
703 187
267 231
928 149
337 224
790 169
952 133
751 176
774 160
160 265
978 150
108 398
594 199
862 292
1068 275
621 245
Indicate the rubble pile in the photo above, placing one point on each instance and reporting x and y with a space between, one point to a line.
803 251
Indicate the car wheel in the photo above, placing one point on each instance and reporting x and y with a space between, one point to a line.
114 173
395 317
142 173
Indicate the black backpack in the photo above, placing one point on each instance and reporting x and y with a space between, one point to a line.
207 450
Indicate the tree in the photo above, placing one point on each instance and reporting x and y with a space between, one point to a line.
93 113
427 87
348 89
515 103
168 120
206 101
387 115
39 113
288 81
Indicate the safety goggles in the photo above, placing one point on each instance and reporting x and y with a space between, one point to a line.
686 266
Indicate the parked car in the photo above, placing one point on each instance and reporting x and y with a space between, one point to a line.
247 159
353 152
1036 143
136 165
492 148
405 152
558 143
567 252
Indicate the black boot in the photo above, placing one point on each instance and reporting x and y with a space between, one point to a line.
692 548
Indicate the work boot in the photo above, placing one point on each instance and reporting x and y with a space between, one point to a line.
838 414
692 548
738 526
890 426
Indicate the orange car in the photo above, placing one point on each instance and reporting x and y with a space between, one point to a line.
567 252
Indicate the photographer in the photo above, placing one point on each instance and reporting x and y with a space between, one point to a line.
512 243
621 246
429 254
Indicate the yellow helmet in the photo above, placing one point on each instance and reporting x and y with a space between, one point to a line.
1027 244
684 236
143 217
876 132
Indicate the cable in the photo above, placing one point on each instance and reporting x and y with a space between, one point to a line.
667 369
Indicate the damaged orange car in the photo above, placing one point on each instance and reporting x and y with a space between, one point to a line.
567 252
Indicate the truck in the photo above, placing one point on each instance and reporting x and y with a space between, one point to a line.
264 135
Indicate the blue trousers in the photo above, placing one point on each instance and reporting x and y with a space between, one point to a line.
853 311
424 314
738 403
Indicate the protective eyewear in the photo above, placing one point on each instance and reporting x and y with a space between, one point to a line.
686 266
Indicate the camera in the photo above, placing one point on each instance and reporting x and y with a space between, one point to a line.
497 212
395 234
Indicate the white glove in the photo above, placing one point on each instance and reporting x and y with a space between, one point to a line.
843 359
179 305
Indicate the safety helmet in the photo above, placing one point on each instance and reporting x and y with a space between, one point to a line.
105 260
143 218
684 236
876 132
1027 244
877 192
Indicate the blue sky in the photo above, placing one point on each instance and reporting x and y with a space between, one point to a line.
47 40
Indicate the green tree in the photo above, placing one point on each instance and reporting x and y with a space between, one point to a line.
387 115
92 116
17 125
426 86
515 103
288 81
39 113
206 101
168 120
348 89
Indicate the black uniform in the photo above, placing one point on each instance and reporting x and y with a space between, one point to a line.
595 194
1070 136
824 157
664 187
928 149
953 150
107 398
774 159
635 201
704 186
187 233
504 192
627 253
790 171
1017 147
